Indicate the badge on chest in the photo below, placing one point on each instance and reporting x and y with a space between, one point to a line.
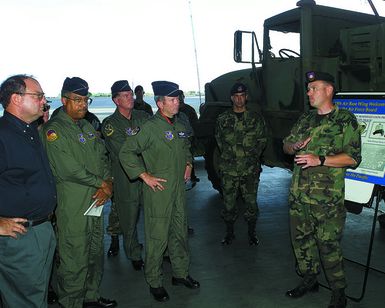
132 131
83 137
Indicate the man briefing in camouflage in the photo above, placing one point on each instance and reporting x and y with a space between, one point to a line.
127 192
325 141
241 138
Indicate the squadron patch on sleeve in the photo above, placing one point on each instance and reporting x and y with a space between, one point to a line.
109 130
51 135
168 135
132 131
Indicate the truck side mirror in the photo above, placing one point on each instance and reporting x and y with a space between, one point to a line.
245 47
238 46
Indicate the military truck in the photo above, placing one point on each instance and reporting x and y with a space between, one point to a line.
349 45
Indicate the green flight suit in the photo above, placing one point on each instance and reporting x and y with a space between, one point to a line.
241 139
317 212
165 150
127 193
79 163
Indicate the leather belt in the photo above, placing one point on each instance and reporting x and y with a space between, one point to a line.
36 222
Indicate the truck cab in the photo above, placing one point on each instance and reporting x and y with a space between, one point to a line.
349 45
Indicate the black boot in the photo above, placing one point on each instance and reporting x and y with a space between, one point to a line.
308 284
114 247
229 233
253 239
52 296
338 299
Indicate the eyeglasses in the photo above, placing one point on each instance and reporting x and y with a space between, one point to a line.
39 95
78 100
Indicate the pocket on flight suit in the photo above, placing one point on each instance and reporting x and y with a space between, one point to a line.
159 227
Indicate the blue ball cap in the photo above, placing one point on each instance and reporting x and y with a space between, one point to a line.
75 85
120 86
165 88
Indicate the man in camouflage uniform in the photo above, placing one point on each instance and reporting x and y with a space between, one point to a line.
325 141
127 193
113 229
241 138
79 163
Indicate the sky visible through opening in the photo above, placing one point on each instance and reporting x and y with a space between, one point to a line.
103 41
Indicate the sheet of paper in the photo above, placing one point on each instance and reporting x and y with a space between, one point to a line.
94 210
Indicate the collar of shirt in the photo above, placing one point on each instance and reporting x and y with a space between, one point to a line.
20 124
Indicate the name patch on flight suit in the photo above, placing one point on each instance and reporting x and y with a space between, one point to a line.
82 139
132 131
51 135
169 135
109 130
183 135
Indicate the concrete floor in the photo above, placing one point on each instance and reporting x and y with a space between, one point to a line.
240 276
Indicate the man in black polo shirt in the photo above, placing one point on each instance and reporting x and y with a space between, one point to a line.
27 197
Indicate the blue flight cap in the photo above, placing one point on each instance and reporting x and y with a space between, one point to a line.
165 88
120 86
75 85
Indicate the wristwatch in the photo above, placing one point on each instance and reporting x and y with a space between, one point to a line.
321 159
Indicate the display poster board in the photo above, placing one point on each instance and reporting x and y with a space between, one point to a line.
369 109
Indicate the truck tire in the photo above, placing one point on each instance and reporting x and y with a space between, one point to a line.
211 164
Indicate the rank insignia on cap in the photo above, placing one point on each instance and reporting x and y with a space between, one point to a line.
313 76
132 131
168 135
91 135
51 135
109 130
310 76
238 88
183 135
82 139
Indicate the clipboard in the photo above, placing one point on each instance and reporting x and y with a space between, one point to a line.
94 210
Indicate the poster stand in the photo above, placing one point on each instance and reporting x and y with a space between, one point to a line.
369 108
378 194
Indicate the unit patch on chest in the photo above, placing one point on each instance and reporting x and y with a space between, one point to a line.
82 139
90 135
183 135
132 131
169 135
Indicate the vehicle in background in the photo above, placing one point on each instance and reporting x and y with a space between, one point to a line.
349 45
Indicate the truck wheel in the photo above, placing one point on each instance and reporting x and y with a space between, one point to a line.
211 164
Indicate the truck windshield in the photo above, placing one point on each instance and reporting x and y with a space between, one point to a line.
284 45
